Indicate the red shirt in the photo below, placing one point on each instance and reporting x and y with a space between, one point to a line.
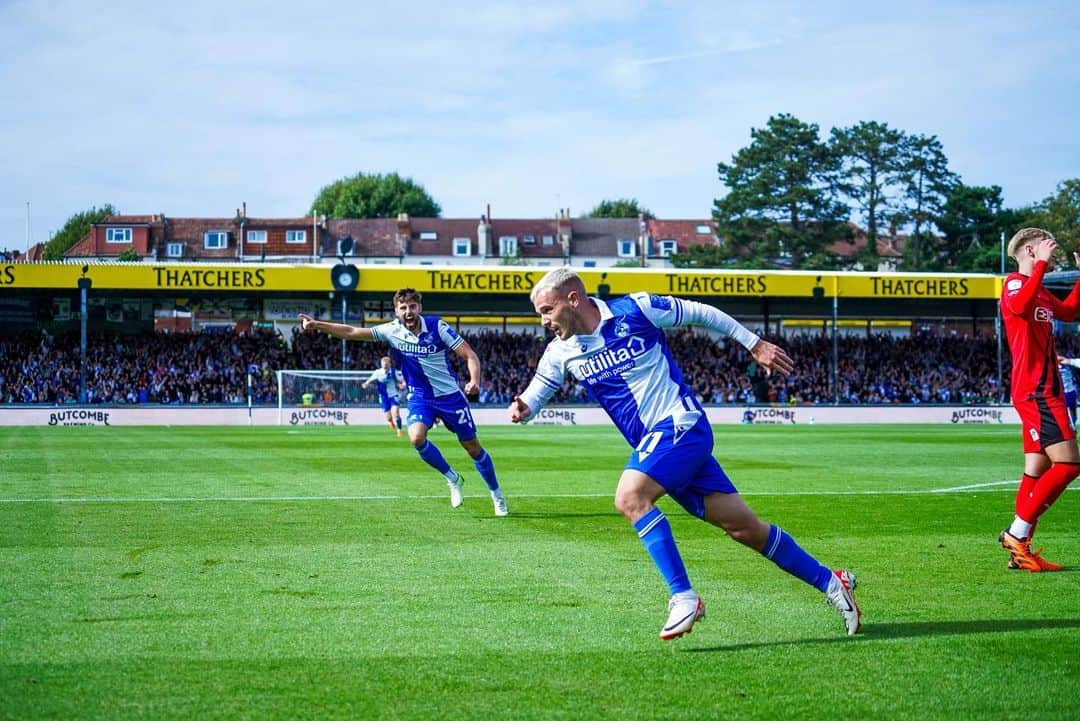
1029 310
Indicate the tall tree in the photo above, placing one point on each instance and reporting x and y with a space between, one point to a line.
1060 214
870 173
974 222
927 184
619 208
374 196
780 209
74 229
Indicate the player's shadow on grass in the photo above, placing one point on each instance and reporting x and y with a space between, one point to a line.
880 631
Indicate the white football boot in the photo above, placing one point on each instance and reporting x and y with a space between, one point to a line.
456 499
841 596
684 609
499 501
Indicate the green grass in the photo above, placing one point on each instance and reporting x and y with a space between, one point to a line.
339 584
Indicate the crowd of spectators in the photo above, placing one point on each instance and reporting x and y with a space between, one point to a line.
187 368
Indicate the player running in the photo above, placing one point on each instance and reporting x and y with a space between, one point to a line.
388 381
1051 459
419 346
618 351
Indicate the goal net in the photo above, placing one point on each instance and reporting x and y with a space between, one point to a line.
312 389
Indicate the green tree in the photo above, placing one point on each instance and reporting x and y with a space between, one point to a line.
374 196
928 182
870 174
74 229
781 209
973 222
128 255
619 208
1060 214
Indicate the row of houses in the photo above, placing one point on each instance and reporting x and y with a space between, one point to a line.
585 242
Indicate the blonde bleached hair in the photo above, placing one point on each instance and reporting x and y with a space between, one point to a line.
1025 236
557 279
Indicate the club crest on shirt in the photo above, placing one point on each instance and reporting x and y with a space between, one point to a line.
1043 315
622 329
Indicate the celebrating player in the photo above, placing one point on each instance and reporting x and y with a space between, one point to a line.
1051 459
389 381
618 351
419 346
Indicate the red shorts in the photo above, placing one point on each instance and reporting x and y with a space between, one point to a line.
1044 422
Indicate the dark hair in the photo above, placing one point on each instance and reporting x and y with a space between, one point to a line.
407 294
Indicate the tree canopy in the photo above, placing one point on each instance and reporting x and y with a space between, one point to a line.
374 196
619 208
74 229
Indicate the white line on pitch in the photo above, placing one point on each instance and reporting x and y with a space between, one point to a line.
258 499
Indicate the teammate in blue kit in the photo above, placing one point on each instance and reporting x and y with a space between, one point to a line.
617 350
388 381
420 345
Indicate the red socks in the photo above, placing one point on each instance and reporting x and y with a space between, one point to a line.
1038 494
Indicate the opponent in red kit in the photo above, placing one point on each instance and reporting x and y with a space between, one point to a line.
1051 459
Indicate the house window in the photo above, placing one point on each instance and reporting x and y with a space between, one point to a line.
118 235
548 240
462 246
428 235
703 230
256 236
627 247
529 240
667 247
295 236
216 239
508 245
174 250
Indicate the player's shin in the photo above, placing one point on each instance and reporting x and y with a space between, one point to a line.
433 457
655 533
486 468
781 549
1046 490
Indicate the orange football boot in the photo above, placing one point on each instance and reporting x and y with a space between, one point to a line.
1021 557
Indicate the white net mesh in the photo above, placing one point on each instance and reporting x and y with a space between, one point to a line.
309 389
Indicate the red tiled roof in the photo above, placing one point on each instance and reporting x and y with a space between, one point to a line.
372 236
683 232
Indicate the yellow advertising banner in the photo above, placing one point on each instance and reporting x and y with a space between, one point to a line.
270 278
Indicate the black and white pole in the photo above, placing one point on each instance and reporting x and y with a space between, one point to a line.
251 369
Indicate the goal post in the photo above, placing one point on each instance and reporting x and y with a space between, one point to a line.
314 388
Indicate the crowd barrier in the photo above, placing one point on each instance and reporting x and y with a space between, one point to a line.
555 415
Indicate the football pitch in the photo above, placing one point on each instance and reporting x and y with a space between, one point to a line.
320 573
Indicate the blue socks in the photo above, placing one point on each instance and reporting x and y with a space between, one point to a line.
431 456
486 469
655 533
782 550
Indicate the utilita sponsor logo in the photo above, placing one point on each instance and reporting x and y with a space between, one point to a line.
610 361
977 415
319 417
79 417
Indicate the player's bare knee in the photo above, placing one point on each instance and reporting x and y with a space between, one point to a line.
632 505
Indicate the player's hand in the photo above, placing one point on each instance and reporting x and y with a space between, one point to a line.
519 412
772 358
472 389
306 321
1076 259
1044 249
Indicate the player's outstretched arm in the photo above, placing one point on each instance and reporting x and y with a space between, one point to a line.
465 351
519 411
772 357
337 330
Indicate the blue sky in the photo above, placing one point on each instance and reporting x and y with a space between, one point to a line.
192 108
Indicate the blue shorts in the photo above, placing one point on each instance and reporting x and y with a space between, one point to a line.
452 410
387 402
682 463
